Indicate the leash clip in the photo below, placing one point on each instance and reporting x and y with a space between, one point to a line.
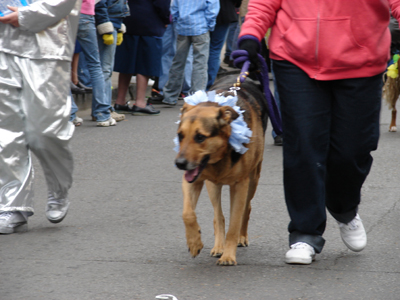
234 89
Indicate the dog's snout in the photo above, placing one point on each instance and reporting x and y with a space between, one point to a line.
181 163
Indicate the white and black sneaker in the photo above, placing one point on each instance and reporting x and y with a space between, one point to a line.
353 234
300 253
12 221
56 209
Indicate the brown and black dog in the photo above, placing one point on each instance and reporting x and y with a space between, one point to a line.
206 156
391 92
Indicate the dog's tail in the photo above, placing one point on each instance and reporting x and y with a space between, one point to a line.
391 91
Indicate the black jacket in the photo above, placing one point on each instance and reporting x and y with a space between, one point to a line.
148 17
227 12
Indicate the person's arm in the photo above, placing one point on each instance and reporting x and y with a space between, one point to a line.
174 11
103 23
211 13
104 26
11 18
395 8
260 16
162 8
43 13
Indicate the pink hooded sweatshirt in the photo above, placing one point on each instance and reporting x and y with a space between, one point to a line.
328 39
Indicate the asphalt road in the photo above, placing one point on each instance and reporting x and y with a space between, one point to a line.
124 237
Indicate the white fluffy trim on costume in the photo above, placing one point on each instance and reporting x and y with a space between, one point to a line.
123 28
240 132
104 28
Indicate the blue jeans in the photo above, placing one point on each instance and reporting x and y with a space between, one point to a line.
87 38
168 53
201 46
217 40
230 38
107 54
74 108
83 72
329 131
236 35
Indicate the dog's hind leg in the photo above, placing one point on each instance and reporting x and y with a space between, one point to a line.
191 193
214 192
254 177
392 127
238 195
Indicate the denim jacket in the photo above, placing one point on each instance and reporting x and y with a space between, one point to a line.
109 15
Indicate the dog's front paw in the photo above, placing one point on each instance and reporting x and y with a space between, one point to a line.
393 129
195 247
243 241
217 251
227 260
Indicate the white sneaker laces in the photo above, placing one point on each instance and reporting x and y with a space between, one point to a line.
51 200
352 225
300 245
5 215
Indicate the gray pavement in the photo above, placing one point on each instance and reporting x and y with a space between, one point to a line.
124 237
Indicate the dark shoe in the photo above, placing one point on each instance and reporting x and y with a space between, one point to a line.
231 65
226 60
222 71
278 140
87 89
156 97
76 90
181 96
156 94
146 111
122 109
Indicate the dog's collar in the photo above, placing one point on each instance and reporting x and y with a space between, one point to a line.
240 132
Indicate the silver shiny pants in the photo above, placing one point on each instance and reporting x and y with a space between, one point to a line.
34 116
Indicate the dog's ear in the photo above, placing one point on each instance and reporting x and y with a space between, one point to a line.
227 114
186 107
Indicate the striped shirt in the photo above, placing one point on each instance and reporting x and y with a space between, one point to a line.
194 17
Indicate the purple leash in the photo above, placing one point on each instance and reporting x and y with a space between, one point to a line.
241 56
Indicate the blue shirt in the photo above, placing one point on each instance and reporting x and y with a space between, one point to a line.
194 17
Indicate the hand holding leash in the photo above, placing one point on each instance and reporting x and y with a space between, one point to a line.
252 46
245 57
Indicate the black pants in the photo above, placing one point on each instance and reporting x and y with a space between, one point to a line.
330 129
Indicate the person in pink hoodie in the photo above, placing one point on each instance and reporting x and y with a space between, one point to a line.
328 58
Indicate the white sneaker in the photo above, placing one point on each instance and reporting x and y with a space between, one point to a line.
353 234
117 117
107 123
11 221
56 209
77 121
300 253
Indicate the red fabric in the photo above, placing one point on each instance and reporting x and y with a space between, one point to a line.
329 40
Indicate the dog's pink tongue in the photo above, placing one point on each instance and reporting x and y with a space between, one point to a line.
191 174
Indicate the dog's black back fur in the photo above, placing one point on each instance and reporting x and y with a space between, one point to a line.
249 91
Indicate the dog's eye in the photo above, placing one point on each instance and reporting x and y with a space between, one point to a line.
199 138
180 137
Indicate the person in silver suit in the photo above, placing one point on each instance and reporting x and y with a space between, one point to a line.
36 46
